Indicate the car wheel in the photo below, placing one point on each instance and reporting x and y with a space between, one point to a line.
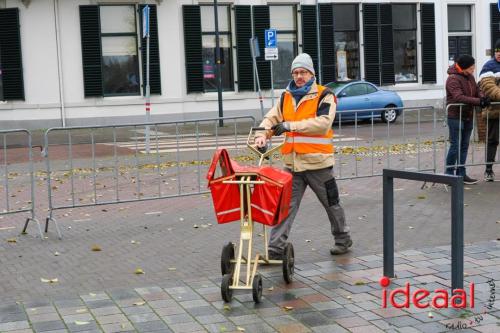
389 116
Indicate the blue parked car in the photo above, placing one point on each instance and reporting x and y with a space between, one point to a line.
362 95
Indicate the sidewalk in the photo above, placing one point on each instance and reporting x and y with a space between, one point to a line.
328 296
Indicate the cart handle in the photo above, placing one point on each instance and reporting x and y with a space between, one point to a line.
253 148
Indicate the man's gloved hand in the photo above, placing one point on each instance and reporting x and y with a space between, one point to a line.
281 128
484 102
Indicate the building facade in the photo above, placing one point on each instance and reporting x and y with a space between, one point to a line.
83 62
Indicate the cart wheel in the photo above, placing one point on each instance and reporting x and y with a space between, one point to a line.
226 292
226 266
288 263
257 288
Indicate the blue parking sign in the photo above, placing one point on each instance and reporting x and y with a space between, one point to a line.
270 38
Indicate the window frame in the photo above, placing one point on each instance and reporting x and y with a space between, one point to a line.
417 42
294 32
122 34
357 31
226 33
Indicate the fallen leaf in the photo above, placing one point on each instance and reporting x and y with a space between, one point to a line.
11 240
222 329
172 268
421 197
139 303
430 315
92 295
410 227
81 311
308 241
359 283
139 271
227 307
56 253
349 297
270 288
181 219
241 329
96 248
195 226
77 322
288 308
49 280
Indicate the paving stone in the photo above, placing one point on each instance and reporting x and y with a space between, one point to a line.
247 319
162 303
134 310
152 326
329 329
220 327
401 321
211 319
312 319
365 329
368 315
100 304
202 311
337 313
143 317
14 325
432 328
349 322
78 317
118 327
174 310
68 303
186 327
105 311
91 325
48 326
44 317
176 319
326 305
111 319
8 317
91 297
294 328
11 308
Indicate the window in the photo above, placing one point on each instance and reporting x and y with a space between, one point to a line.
208 48
459 19
355 90
370 89
404 22
346 30
120 62
284 20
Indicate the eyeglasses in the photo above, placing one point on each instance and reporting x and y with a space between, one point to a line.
300 73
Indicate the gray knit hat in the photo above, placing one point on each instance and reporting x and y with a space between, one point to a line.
303 60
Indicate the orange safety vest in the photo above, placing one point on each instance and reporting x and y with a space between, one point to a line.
303 143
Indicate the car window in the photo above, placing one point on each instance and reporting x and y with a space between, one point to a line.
336 86
355 90
370 89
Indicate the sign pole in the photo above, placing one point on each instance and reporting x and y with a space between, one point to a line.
254 48
218 67
272 85
145 20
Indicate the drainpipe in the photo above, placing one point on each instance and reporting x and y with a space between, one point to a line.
59 64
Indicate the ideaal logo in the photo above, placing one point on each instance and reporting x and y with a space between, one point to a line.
440 299
460 298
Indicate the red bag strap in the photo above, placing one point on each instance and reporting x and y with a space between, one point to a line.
220 157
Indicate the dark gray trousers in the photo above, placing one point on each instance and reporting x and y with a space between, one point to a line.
316 180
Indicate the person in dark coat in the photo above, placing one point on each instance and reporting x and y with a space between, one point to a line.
461 88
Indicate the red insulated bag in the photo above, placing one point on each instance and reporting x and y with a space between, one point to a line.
226 197
271 201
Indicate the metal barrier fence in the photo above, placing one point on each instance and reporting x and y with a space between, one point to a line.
13 182
102 165
458 159
410 142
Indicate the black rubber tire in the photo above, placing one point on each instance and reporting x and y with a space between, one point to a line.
384 115
288 263
257 288
227 255
226 292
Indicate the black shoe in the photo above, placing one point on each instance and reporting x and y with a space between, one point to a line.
341 248
275 255
489 176
469 181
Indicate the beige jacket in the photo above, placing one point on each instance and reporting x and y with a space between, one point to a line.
314 126
488 83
